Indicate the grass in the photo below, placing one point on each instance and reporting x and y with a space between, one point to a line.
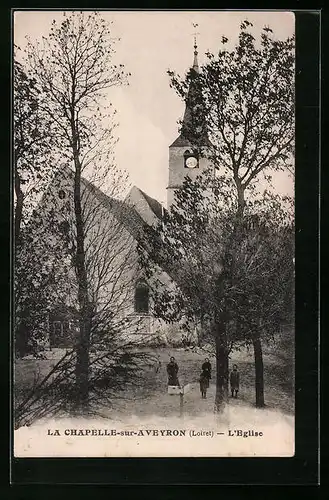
152 398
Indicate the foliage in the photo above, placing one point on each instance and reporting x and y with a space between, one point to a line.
233 281
195 243
39 282
32 162
245 99
33 145
263 294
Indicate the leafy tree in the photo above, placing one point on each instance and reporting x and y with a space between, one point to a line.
39 282
32 164
244 99
190 245
32 145
263 277
74 68
228 297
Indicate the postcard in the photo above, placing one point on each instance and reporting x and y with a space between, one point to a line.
153 180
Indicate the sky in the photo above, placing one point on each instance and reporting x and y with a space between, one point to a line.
151 42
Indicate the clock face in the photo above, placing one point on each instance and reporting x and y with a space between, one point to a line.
191 162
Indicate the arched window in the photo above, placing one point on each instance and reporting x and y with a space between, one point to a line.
141 297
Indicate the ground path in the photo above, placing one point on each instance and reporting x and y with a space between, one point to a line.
153 399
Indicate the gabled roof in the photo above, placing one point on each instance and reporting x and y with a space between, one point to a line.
124 212
154 204
132 218
147 207
128 211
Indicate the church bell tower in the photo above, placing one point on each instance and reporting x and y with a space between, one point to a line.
184 158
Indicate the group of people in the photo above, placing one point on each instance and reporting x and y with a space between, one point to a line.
205 376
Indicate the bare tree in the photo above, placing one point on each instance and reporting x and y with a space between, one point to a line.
74 68
116 361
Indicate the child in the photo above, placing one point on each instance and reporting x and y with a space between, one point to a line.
204 384
235 381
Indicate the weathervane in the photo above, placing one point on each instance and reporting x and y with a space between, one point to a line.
195 25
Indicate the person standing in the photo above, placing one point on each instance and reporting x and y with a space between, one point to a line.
172 370
204 384
206 368
235 381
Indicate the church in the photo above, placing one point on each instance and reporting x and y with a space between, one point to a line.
113 227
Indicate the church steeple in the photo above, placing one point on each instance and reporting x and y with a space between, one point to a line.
186 153
195 66
190 116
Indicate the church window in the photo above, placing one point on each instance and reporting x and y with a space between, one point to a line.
141 297
61 194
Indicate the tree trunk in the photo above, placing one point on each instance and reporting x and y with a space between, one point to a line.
83 343
221 372
21 341
241 200
19 207
259 372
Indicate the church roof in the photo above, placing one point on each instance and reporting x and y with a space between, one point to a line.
130 212
136 210
124 212
155 206
181 141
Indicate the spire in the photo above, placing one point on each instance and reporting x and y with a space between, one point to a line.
195 62
192 121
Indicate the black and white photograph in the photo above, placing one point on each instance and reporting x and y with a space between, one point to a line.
153 179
